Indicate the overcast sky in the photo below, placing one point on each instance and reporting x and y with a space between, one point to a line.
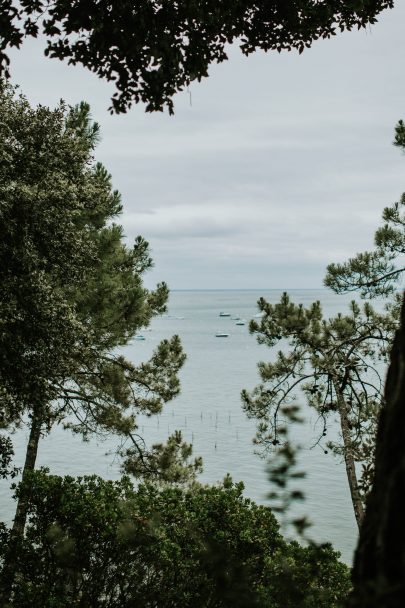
270 169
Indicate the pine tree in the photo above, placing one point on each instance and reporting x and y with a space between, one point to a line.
335 365
378 272
379 566
71 290
378 572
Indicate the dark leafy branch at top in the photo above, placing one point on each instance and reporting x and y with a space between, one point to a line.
152 49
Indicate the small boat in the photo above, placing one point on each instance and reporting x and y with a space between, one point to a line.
221 335
224 314
139 337
240 322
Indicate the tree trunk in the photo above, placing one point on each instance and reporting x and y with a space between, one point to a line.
17 531
379 565
29 465
349 458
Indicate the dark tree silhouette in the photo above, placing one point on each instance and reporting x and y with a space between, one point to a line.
379 567
152 49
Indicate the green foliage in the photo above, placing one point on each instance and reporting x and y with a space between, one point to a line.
378 573
379 566
153 49
166 463
43 175
6 457
71 290
334 363
282 475
377 272
91 542
313 576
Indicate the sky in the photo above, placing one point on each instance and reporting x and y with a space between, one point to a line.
270 169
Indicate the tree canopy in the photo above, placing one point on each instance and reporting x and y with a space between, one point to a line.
335 364
92 542
71 289
71 292
152 49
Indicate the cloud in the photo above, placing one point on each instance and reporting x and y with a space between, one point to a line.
280 164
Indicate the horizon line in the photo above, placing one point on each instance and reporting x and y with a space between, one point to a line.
247 288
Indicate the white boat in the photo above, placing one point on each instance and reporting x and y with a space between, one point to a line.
139 337
221 335
224 314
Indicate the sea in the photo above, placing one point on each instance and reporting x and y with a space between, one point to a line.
210 416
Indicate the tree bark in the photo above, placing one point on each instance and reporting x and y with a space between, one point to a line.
379 565
17 531
29 465
349 458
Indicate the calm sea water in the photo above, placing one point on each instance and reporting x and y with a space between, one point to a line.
209 413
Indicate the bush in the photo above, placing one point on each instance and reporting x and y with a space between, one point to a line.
96 543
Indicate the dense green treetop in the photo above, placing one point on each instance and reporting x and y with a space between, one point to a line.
71 290
44 169
151 48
